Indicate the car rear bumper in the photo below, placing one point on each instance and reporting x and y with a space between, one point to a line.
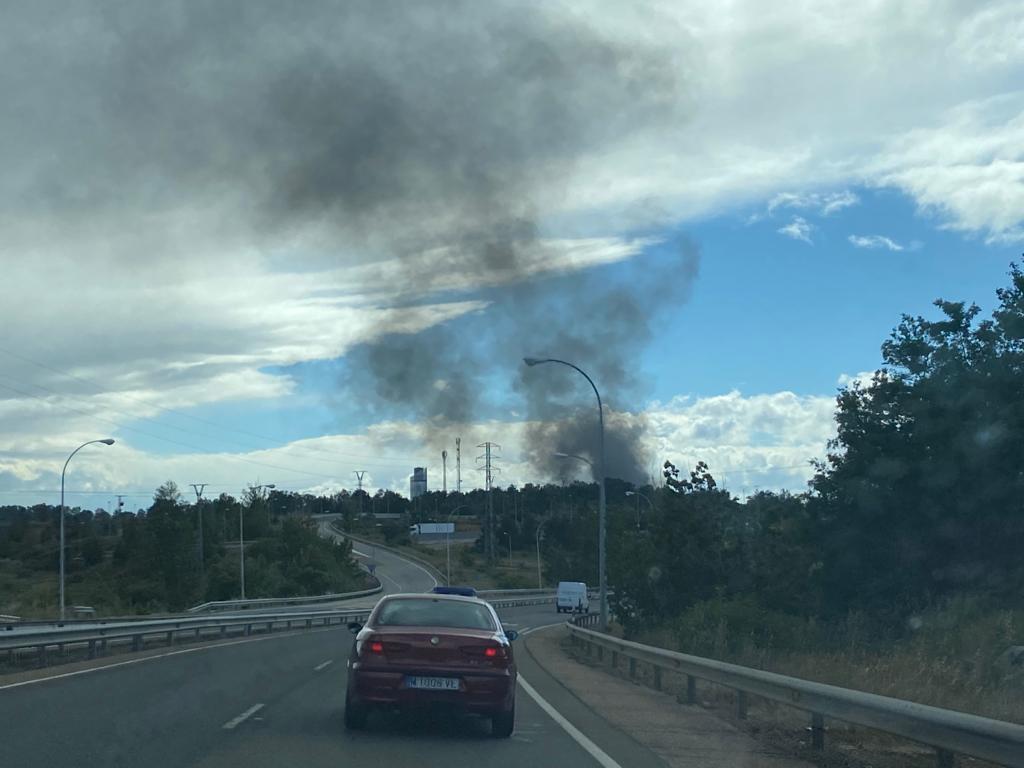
478 693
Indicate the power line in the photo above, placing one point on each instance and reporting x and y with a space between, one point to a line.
489 470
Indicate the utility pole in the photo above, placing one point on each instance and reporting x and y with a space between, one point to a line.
198 488
458 465
489 471
444 472
359 479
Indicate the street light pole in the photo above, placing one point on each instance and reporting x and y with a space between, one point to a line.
509 547
602 515
241 538
448 542
540 581
638 497
105 441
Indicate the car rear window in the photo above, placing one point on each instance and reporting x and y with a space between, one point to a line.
434 613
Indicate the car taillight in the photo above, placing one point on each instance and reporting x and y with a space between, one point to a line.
376 646
493 652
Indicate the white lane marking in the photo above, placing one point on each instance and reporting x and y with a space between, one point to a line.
407 562
542 626
323 665
578 736
160 656
234 722
388 578
357 552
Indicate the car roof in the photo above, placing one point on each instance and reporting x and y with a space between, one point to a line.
454 589
435 596
430 596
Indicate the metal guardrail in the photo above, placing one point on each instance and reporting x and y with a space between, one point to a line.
96 639
948 731
271 602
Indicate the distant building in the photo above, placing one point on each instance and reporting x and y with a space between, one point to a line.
418 482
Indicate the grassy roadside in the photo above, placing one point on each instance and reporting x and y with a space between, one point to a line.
955 658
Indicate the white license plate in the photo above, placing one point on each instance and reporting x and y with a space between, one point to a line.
433 683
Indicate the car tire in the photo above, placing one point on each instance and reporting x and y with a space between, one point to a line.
355 715
503 723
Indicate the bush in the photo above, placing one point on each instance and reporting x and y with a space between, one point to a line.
505 580
729 628
92 551
395 533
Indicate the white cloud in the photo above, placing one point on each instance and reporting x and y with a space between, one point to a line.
823 203
845 74
968 169
874 241
863 378
798 229
758 441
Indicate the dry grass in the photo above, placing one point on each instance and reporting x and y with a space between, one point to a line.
785 728
953 660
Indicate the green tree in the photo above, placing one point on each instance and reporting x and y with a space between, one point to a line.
92 551
171 548
920 495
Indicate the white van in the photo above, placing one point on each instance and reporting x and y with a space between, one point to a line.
572 596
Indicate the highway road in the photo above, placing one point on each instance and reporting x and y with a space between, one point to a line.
278 700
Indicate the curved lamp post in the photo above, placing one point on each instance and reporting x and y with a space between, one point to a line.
601 532
105 441
638 497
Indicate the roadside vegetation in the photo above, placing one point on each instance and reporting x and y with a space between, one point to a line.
899 571
149 561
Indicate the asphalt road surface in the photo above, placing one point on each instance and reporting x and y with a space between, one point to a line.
277 700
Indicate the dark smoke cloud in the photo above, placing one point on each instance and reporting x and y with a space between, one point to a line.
601 326
605 335
356 132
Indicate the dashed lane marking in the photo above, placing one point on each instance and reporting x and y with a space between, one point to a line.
230 725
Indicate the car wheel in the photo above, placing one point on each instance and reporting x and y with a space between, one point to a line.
355 714
503 723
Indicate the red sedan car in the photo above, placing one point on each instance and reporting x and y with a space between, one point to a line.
432 650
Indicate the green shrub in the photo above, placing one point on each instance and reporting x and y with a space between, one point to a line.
727 628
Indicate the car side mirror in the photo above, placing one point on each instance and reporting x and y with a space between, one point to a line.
354 627
511 634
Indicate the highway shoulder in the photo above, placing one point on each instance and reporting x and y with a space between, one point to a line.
621 715
617 744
